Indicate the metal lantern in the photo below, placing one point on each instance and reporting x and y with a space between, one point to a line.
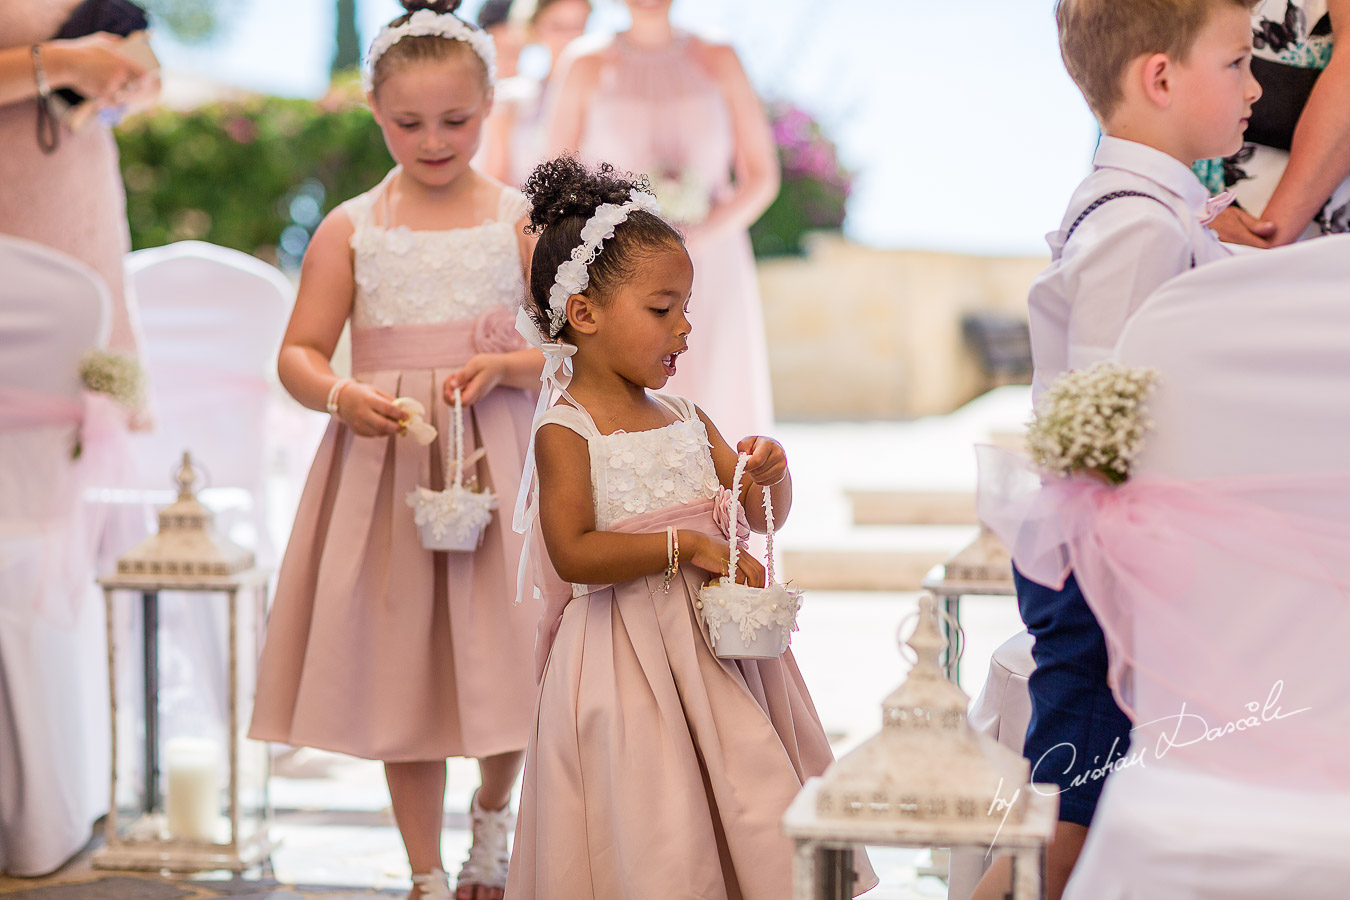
926 780
981 568
178 821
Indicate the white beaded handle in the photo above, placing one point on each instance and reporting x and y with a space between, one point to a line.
741 460
459 441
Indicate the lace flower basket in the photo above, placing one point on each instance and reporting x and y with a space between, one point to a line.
453 519
747 622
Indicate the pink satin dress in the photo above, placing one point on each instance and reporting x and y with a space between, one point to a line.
659 112
656 769
375 646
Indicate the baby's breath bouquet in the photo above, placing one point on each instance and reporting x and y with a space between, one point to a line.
684 197
119 375
1092 421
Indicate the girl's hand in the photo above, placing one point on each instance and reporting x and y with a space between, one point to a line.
768 461
711 555
476 380
369 412
1237 226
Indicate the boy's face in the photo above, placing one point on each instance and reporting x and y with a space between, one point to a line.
1214 89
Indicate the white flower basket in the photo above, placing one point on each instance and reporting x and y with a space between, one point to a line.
453 519
745 622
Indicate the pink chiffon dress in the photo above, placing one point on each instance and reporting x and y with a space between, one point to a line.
71 200
375 646
656 769
659 112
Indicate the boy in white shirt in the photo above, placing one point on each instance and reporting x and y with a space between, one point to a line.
1170 82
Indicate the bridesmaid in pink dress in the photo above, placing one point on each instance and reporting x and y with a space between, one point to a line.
660 102
72 199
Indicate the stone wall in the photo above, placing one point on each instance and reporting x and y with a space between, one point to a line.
858 333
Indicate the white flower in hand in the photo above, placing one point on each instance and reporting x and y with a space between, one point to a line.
415 424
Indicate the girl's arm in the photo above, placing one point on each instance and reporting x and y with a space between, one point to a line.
583 555
756 161
1319 157
517 369
767 467
322 305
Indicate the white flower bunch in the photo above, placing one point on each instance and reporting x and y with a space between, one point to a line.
684 197
1092 421
119 375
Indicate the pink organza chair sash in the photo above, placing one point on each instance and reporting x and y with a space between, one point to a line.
1225 604
68 526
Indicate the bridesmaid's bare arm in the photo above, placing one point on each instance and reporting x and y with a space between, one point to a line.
582 554
756 159
577 80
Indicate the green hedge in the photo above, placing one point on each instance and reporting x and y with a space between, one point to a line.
258 175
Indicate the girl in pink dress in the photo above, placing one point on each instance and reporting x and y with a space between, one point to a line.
682 110
655 769
375 646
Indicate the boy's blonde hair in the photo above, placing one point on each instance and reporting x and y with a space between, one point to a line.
1098 39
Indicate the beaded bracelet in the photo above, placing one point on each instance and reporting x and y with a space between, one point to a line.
672 558
334 392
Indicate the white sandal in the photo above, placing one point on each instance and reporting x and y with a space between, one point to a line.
434 885
488 854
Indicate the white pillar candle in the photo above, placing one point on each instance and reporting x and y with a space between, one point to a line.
192 802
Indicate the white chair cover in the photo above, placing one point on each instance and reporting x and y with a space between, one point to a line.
1255 370
54 729
212 319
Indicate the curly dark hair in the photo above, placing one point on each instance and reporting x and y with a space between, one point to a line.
426 47
563 194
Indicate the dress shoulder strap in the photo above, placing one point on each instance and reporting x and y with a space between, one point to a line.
512 206
681 407
571 417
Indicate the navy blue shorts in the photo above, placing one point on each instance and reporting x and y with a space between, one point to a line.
1077 730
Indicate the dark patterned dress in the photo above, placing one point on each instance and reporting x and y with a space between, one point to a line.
1292 44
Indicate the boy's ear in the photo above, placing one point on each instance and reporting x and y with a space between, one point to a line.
581 314
1156 76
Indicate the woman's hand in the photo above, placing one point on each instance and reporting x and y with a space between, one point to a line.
768 461
476 380
91 66
1237 226
710 555
369 412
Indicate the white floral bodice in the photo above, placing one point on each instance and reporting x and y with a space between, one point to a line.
408 277
641 471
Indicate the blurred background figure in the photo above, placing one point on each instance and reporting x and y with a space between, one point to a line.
62 186
494 17
514 142
662 102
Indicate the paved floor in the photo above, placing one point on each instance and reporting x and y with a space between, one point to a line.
338 840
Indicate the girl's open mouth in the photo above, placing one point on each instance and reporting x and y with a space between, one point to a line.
668 362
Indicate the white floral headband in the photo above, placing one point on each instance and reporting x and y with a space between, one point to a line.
425 22
574 274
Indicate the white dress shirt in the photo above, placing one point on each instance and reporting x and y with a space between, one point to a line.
1120 253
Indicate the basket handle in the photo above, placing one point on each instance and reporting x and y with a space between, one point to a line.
459 441
735 553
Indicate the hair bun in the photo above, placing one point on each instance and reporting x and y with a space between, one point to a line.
563 187
440 7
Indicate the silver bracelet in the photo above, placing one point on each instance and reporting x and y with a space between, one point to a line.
44 87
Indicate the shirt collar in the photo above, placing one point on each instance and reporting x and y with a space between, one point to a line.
1155 165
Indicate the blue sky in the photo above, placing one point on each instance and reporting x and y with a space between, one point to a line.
964 130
